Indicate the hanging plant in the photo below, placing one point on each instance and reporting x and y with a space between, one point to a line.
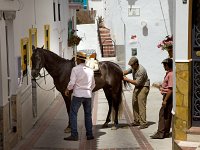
167 44
100 20
74 40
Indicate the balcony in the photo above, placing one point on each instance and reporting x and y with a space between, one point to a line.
76 4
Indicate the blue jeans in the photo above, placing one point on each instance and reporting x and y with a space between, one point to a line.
75 105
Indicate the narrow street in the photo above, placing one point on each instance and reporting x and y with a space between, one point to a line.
48 132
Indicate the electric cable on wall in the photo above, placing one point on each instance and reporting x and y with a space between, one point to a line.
163 17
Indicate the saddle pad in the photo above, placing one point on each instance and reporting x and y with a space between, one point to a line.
93 64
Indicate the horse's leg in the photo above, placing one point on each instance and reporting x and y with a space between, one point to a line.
67 100
117 104
108 95
116 108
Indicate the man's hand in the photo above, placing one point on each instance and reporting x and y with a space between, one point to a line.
125 78
66 92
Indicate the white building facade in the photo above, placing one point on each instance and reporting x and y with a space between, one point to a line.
24 23
149 21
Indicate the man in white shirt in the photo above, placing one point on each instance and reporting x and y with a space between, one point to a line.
82 83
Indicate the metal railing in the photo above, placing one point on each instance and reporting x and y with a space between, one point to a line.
99 37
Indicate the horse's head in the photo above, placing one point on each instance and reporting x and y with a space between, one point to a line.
37 61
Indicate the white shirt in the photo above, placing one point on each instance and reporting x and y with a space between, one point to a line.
82 81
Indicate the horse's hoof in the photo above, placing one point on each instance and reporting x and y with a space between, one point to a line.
67 130
105 125
114 128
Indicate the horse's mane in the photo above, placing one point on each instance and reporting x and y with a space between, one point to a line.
56 57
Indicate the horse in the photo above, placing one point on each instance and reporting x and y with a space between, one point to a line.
109 79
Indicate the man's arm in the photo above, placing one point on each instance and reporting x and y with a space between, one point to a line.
139 80
125 72
170 89
71 83
130 81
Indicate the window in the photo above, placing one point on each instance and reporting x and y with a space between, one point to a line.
54 11
59 18
70 28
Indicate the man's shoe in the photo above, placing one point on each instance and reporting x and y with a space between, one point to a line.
90 137
143 126
156 136
71 138
167 135
135 123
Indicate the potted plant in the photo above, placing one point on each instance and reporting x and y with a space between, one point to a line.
100 21
74 40
167 44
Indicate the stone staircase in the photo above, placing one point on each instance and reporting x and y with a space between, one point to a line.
107 43
193 140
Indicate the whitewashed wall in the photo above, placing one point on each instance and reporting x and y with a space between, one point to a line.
36 14
122 27
181 31
88 33
3 74
96 5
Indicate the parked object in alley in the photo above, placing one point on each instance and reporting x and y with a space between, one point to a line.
109 78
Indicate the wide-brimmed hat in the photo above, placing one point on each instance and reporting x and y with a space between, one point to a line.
81 55
132 61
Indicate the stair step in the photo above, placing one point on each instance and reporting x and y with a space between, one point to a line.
106 38
104 32
187 145
104 29
109 59
193 137
105 35
109 50
193 134
109 43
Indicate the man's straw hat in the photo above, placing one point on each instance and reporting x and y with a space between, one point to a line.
81 55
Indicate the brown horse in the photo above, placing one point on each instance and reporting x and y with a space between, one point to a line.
110 79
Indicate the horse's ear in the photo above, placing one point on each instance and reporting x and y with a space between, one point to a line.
42 47
73 59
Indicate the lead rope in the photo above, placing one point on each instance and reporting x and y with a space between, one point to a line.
44 76
43 88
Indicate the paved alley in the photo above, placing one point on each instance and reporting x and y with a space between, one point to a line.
48 133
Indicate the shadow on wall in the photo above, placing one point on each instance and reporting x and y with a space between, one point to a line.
131 2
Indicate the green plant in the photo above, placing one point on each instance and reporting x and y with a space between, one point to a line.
74 40
100 19
166 44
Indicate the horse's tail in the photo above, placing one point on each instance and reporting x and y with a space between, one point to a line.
119 105
126 84
121 108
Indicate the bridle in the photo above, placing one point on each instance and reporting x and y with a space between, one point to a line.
40 76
